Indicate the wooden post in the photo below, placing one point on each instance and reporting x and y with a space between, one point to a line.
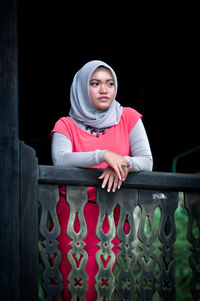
9 155
28 224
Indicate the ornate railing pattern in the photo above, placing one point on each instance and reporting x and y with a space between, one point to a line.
145 261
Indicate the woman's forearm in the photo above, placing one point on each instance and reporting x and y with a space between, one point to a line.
62 154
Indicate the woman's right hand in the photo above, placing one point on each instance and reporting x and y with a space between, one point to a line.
116 162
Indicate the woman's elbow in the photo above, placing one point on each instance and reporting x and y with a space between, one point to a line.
142 164
58 159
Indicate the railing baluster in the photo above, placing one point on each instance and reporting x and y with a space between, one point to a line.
48 196
125 282
76 197
105 278
167 235
146 257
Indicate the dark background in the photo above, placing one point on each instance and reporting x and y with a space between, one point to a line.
156 68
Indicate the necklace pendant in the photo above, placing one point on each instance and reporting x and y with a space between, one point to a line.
95 131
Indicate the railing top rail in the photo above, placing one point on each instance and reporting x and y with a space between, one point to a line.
145 180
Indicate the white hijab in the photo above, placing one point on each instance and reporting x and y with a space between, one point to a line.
81 105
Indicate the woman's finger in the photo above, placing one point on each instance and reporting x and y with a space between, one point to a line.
122 172
102 176
119 184
115 184
117 170
105 180
110 182
127 171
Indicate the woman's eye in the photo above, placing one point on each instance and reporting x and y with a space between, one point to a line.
94 84
110 84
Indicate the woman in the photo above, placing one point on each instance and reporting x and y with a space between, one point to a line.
98 133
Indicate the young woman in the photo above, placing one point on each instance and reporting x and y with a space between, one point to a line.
98 133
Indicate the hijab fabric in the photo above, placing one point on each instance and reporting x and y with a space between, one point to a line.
81 105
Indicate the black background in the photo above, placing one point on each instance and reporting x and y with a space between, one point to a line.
156 66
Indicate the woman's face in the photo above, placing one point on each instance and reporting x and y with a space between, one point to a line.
102 88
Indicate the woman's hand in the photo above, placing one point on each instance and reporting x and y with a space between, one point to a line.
117 162
111 179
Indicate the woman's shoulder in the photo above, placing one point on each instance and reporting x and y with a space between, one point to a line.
63 125
64 122
131 116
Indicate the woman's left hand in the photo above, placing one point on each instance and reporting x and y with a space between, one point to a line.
111 179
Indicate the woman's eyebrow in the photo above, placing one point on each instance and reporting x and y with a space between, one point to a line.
96 79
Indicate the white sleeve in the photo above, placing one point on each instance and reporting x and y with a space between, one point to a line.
141 156
62 155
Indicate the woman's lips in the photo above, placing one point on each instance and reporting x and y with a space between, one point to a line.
103 98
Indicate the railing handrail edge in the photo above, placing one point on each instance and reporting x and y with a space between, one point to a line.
148 180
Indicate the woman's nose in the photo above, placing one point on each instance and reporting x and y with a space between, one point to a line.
103 89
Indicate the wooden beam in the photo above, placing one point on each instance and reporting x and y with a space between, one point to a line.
146 180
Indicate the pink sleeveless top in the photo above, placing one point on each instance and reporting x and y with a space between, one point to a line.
115 139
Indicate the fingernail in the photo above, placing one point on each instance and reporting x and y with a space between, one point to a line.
103 186
108 190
